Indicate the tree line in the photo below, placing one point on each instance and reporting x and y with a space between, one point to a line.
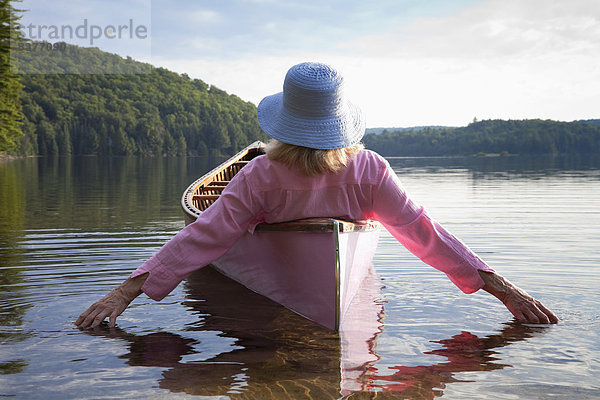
533 136
143 111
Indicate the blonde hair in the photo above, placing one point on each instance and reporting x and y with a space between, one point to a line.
309 161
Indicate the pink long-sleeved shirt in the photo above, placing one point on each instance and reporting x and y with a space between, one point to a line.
267 191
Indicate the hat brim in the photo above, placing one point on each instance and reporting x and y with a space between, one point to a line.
343 129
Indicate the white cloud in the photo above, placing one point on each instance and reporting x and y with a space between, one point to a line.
493 28
204 17
497 59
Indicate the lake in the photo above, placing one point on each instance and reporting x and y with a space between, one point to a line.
73 228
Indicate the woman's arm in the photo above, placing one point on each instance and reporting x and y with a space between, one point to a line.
524 307
113 304
434 245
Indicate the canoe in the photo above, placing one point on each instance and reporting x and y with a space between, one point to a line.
312 266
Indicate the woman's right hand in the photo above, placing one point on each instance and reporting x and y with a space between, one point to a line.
523 306
113 304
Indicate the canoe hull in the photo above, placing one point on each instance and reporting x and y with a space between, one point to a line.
315 274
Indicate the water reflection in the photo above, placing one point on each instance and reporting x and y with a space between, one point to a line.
92 192
12 282
278 354
464 352
275 350
13 366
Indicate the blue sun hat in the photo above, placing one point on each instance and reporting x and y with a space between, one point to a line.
312 111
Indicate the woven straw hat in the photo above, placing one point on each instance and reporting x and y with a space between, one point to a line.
312 110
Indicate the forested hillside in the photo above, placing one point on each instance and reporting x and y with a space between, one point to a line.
492 136
139 110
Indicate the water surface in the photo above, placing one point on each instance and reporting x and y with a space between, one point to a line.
71 229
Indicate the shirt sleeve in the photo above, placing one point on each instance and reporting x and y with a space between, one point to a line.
424 237
201 242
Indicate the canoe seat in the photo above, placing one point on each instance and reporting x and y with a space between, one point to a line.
217 188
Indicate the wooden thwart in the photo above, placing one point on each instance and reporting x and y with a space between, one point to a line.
205 197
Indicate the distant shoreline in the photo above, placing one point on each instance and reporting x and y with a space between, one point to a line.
6 157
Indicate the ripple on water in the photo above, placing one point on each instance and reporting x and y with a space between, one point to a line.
58 262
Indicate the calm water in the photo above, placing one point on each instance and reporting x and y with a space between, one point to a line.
70 230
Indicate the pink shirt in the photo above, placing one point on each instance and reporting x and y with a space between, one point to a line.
267 191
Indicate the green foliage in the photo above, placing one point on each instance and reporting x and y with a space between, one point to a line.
150 111
492 137
10 87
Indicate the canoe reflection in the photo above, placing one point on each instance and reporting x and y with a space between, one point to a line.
278 354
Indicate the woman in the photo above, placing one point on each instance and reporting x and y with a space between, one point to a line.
314 167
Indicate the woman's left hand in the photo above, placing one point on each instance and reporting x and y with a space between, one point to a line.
524 307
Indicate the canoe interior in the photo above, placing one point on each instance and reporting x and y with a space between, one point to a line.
206 190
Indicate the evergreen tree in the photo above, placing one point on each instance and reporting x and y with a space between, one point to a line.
10 87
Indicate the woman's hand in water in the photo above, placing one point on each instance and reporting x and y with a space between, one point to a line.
113 304
523 306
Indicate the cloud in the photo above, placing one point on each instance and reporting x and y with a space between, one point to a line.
205 17
247 28
493 29
496 59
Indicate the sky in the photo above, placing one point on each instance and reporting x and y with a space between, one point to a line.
405 62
